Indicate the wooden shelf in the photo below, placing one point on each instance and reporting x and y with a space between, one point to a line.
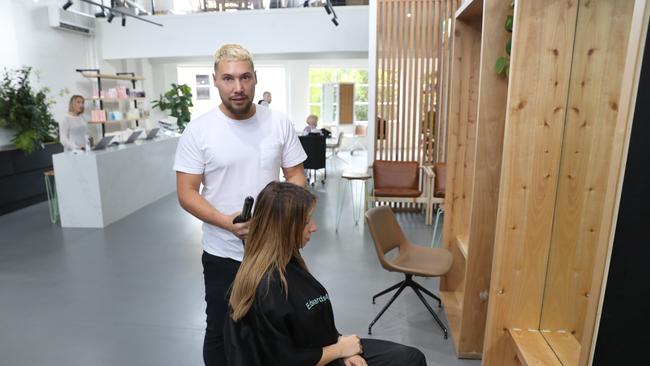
453 302
461 243
565 346
471 9
92 75
532 349
116 99
117 120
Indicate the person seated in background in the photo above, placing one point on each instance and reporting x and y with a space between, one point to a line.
279 313
312 123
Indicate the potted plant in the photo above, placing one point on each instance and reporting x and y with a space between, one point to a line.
25 110
178 101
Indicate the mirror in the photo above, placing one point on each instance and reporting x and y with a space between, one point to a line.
577 243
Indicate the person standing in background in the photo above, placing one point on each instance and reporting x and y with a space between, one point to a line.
266 99
72 130
234 151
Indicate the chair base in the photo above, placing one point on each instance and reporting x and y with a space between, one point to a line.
418 289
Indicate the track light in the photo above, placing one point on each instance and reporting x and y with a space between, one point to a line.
327 9
123 21
336 22
100 14
67 5
124 11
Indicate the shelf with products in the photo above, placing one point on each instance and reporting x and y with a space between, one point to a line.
114 96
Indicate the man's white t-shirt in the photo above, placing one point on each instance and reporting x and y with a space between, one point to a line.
237 158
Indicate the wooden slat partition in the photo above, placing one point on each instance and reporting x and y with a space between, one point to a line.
413 54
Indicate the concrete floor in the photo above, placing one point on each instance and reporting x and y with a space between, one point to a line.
132 293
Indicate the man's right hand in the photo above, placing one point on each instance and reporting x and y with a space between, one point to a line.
241 229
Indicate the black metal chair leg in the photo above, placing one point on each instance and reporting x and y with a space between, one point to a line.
386 307
421 288
435 316
387 290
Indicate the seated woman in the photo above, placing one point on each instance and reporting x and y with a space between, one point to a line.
280 314
312 125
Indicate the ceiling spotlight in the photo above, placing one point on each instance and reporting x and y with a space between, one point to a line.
327 9
67 5
123 21
336 22
305 4
100 14
110 17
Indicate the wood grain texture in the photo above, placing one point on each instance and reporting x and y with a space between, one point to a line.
629 86
564 345
531 348
537 96
599 54
492 101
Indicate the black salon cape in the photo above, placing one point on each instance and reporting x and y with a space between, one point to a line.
281 330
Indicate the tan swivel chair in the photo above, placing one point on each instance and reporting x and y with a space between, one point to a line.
412 260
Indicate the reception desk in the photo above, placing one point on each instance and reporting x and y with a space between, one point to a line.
97 188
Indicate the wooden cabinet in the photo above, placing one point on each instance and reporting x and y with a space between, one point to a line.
474 148
534 174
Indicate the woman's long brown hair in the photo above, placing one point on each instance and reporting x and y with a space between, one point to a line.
274 238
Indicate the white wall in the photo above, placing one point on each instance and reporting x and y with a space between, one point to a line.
27 39
297 81
277 31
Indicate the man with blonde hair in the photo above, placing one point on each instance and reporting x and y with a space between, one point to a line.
234 150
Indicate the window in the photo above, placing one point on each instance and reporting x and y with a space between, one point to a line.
323 75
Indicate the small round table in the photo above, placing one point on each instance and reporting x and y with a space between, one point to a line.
350 177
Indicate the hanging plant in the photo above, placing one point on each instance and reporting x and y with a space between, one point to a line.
502 66
25 111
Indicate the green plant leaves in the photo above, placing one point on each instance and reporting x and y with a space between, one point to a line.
177 101
502 65
25 110
509 46
509 22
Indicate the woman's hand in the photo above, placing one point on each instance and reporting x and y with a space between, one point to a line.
355 360
349 345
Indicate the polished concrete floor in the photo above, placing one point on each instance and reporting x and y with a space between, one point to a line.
132 293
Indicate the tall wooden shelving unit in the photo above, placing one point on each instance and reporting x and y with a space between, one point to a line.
475 132
534 173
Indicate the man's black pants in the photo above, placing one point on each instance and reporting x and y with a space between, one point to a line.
218 274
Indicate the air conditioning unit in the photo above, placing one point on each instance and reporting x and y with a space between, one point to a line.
71 20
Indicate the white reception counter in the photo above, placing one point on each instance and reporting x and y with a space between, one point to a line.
98 188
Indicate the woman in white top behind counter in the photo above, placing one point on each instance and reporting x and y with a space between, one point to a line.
72 130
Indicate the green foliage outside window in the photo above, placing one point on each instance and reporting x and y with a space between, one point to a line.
320 76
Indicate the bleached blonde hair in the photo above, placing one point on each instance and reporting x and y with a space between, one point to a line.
232 52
